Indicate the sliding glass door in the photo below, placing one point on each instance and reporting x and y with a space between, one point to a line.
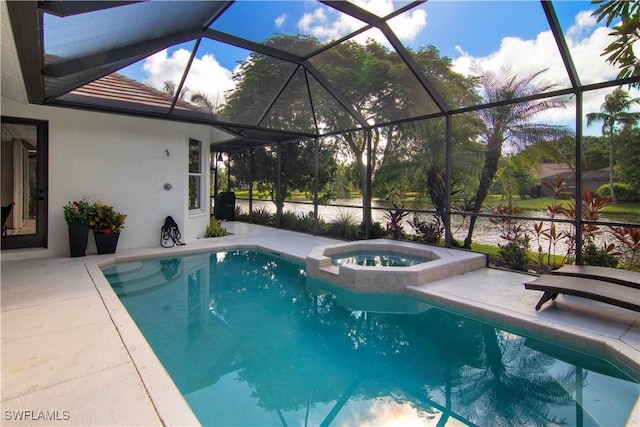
24 185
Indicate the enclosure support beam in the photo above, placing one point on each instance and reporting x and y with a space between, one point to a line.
448 176
561 42
316 177
366 192
251 166
279 186
179 92
215 158
228 172
578 195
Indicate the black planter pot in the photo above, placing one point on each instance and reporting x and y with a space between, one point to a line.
78 238
106 243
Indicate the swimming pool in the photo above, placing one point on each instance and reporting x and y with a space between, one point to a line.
249 342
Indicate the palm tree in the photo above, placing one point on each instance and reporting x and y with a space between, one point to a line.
614 116
623 50
169 87
512 124
202 100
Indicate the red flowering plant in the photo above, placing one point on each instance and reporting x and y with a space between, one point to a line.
77 211
106 220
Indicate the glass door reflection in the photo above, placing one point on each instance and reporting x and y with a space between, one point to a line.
23 183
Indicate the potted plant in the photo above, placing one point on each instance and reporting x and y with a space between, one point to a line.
106 224
77 215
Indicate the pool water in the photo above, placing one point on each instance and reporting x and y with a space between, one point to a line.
373 258
247 342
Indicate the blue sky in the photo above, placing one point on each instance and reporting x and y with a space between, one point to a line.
485 34
477 26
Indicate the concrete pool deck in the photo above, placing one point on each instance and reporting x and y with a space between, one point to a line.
71 353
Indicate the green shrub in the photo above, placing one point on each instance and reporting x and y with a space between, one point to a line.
376 230
215 229
241 215
288 220
624 192
304 222
514 254
591 255
343 227
262 216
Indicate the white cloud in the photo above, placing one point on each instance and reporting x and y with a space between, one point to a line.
523 56
583 22
161 68
280 20
377 7
206 74
409 25
326 24
585 40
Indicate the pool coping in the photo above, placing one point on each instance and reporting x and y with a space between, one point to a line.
172 407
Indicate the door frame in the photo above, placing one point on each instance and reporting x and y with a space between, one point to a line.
39 239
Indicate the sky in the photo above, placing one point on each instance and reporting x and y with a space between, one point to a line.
485 34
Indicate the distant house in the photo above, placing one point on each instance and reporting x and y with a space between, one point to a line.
591 181
545 170
548 172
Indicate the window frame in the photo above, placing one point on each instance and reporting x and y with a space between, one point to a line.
199 174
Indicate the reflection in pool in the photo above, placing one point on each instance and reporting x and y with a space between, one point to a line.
247 343
373 258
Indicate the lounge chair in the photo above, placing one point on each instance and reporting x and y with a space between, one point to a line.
613 275
603 284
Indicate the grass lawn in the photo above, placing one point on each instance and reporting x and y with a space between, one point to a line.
542 203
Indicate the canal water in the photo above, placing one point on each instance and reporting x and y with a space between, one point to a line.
485 231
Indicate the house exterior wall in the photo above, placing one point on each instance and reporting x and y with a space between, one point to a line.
122 161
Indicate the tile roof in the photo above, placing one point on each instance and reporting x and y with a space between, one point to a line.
543 170
117 87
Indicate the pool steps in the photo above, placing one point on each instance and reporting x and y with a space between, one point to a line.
137 277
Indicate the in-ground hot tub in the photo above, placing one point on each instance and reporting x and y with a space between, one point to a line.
393 265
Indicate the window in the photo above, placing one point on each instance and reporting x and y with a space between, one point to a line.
195 174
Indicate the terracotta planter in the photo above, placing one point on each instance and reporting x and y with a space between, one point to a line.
78 238
106 243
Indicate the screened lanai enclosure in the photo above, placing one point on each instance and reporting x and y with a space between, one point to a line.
507 124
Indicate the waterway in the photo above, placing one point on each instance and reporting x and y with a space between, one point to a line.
485 231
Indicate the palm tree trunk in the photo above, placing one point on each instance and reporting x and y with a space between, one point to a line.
491 159
436 187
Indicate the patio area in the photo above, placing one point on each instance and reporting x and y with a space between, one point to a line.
71 353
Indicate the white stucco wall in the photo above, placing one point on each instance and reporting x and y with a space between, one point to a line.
121 161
